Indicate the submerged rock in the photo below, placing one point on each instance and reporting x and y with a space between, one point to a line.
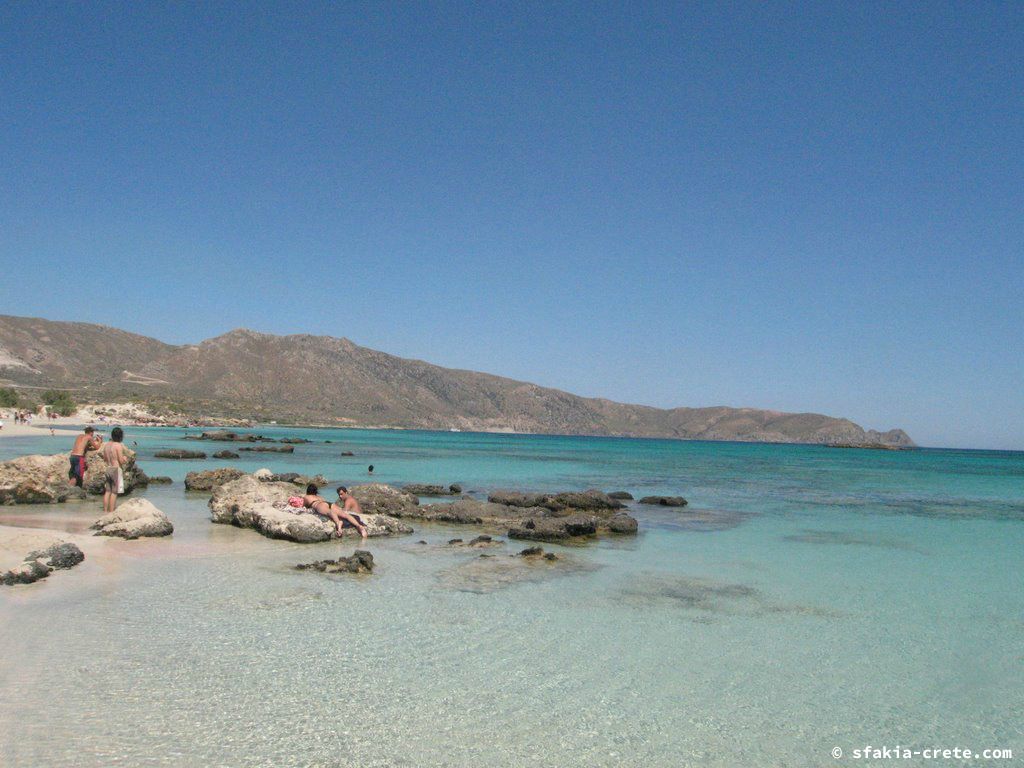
554 528
179 453
270 449
360 562
226 455
263 506
664 501
621 495
160 480
491 572
209 479
38 479
132 520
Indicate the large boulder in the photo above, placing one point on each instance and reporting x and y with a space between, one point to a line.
40 479
381 499
134 519
263 506
27 555
209 479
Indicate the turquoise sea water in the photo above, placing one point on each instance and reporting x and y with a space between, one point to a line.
809 598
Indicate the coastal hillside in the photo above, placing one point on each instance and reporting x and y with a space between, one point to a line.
326 380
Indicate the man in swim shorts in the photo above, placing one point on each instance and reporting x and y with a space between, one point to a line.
83 442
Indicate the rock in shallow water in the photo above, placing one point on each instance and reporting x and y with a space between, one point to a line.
28 555
132 520
421 489
179 453
554 528
360 562
209 479
664 501
263 506
40 479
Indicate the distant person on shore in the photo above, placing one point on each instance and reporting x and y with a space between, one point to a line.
83 442
347 511
113 477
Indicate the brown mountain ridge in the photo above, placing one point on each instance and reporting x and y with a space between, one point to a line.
326 380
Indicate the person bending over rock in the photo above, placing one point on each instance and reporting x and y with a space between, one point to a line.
345 511
87 441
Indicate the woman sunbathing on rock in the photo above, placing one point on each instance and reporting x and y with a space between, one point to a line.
346 512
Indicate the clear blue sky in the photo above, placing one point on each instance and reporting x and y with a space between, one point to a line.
813 207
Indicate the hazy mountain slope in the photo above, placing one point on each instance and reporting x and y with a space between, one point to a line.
320 379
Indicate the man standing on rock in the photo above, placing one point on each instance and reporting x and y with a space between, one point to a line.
84 442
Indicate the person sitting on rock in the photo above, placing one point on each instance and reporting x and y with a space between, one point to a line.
346 512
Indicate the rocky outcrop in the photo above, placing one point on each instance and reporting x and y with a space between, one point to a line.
179 453
132 520
29 555
293 477
361 561
263 506
209 479
622 523
537 523
592 500
423 489
40 479
224 436
554 528
381 499
664 501
270 449
474 512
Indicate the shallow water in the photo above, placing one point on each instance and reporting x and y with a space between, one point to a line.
820 598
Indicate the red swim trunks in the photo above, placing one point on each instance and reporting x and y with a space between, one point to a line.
77 471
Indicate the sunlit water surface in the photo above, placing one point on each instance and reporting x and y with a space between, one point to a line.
821 598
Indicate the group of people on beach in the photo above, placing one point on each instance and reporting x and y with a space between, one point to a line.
114 457
345 511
